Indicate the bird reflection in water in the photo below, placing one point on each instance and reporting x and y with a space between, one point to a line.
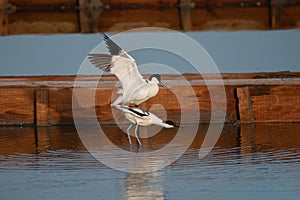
144 186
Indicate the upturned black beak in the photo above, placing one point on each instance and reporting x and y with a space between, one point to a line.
164 86
171 123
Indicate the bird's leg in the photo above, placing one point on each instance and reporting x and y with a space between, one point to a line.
137 133
128 133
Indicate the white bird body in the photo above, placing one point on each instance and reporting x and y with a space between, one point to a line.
137 95
143 118
135 89
140 117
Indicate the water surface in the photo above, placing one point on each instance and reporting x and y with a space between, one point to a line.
258 161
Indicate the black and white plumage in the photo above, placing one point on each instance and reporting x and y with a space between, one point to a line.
135 89
140 117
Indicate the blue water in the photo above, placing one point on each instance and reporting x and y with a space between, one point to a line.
57 166
240 51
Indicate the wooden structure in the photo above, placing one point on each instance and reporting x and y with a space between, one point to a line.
47 100
87 16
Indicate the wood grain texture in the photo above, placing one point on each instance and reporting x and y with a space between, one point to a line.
60 106
42 22
244 104
275 103
16 106
41 3
3 23
42 107
117 20
274 97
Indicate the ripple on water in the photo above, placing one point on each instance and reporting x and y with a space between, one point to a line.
50 160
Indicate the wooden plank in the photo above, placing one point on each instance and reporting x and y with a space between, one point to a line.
60 106
3 18
244 105
231 18
279 96
138 2
290 17
275 103
280 77
3 23
42 3
35 22
275 13
185 12
41 107
89 12
118 20
16 106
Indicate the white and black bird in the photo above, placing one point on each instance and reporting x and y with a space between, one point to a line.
135 89
140 117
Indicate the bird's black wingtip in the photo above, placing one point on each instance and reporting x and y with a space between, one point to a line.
105 36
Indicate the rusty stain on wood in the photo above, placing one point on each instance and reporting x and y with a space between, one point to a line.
244 104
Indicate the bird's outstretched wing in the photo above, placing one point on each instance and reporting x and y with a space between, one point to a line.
115 49
123 67
119 63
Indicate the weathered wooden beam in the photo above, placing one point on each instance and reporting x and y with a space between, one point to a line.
275 13
265 98
3 23
3 17
42 107
185 13
244 105
16 106
279 103
43 2
89 11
